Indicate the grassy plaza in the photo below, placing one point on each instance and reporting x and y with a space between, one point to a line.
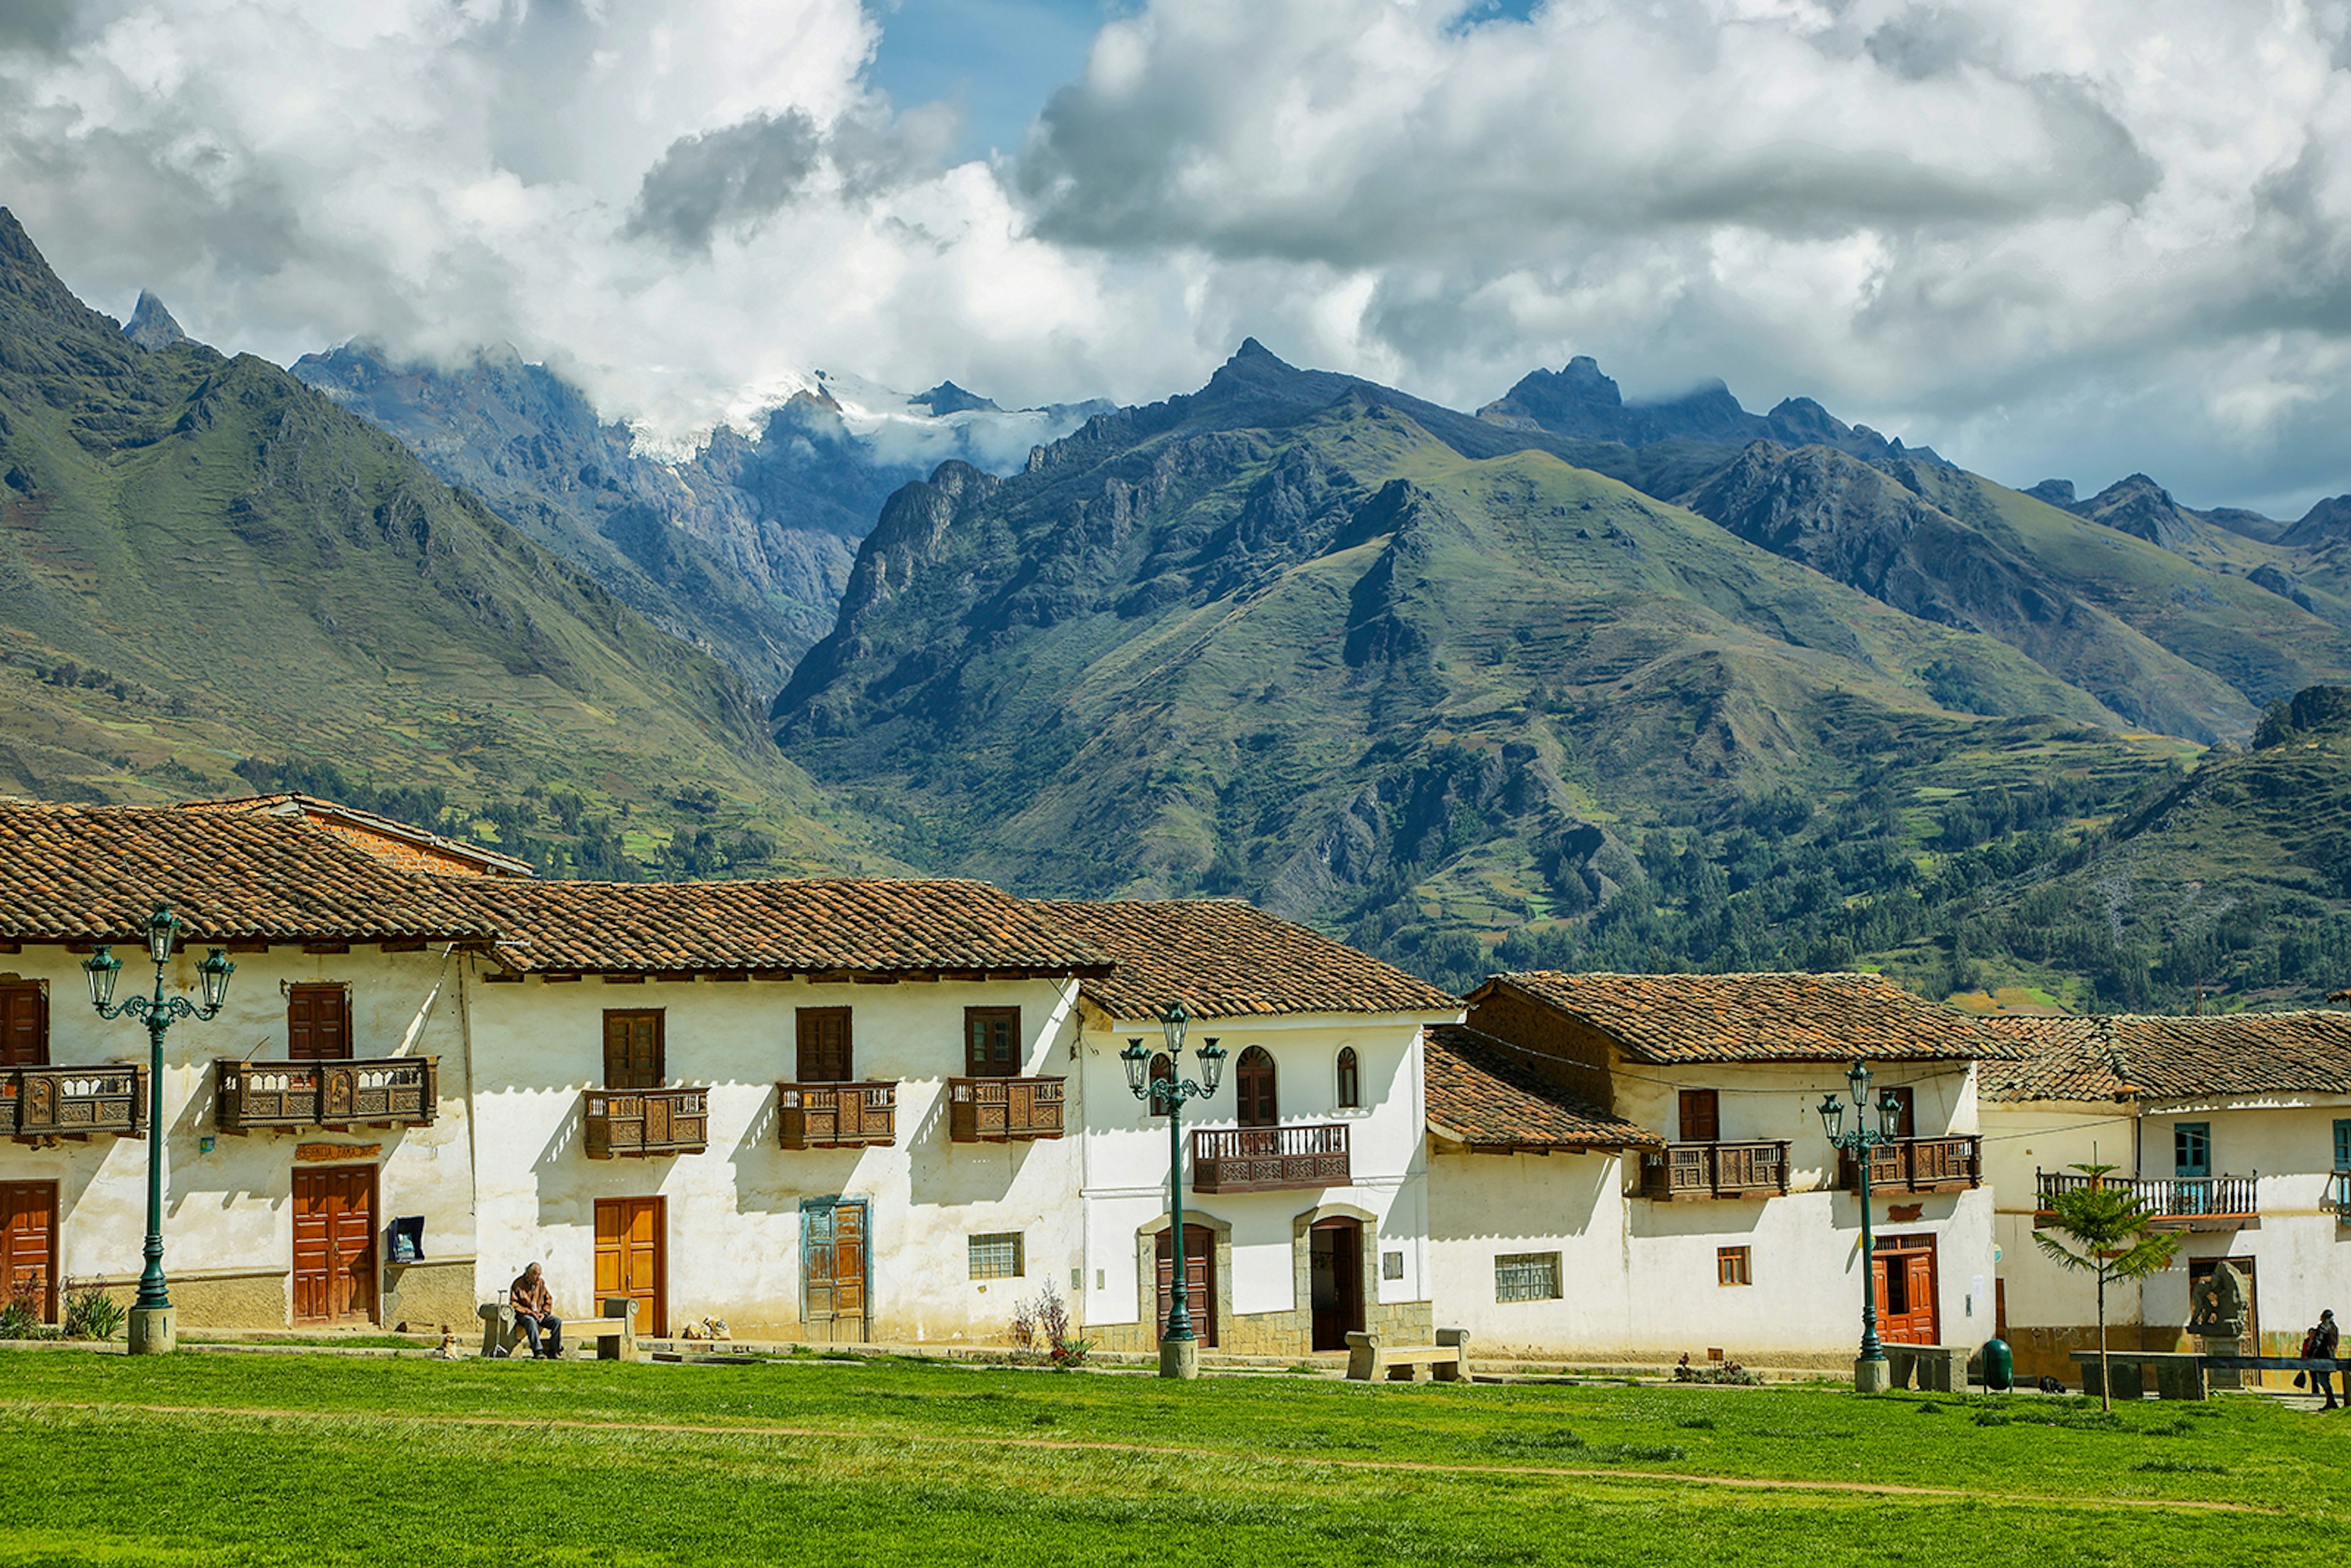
226 1458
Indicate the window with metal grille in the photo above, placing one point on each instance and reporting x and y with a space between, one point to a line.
996 1257
1527 1277
1732 1265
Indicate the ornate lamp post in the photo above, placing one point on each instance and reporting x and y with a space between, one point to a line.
1180 1353
154 1327
1869 1368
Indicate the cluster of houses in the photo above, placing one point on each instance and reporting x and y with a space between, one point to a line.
892 1110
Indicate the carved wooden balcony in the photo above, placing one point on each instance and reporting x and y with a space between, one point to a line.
384 1092
1003 1110
2177 1203
639 1123
1953 1164
1716 1170
1269 1159
41 1105
836 1115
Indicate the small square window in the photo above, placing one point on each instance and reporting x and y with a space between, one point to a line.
1732 1265
1527 1277
996 1257
1391 1265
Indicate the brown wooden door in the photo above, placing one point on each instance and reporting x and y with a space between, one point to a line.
631 1258
1903 1274
1335 1269
1701 1116
334 1244
29 1244
23 1026
1199 1279
1906 1111
1253 1087
319 1024
632 1048
824 1055
833 1270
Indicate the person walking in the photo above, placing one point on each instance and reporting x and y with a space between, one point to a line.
534 1311
2321 1346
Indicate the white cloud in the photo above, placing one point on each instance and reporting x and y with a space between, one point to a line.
2076 238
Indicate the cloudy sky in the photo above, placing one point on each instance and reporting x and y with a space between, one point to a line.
2048 238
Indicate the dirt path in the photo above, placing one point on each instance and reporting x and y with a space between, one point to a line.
1418 1466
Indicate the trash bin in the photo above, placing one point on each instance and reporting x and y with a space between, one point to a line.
1999 1366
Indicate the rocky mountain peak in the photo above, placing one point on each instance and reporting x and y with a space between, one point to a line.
150 325
948 398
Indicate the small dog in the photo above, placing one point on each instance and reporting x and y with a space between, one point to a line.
447 1349
2049 1384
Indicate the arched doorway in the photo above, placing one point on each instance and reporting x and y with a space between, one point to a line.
1335 1279
1253 1088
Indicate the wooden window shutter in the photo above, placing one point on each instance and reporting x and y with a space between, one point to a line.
991 1043
319 1024
24 1025
632 1048
1701 1116
824 1055
1253 1088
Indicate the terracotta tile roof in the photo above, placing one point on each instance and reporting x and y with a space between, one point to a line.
2149 1057
403 844
797 926
1224 959
1759 1018
78 873
1488 1094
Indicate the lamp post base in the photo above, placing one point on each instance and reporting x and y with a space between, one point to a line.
1870 1375
1179 1358
154 1331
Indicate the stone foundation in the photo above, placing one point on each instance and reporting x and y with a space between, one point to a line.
218 1298
429 1294
1289 1332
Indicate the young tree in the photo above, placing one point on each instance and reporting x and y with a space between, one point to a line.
2107 1231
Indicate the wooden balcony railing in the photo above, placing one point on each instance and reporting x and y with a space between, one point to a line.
836 1115
1716 1170
45 1103
384 1092
2177 1203
2337 1201
1003 1110
1952 1163
635 1123
1266 1159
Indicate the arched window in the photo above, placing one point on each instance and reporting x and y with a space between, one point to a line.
1350 1089
1253 1086
1163 1071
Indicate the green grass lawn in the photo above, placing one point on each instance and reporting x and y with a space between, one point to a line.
322 1460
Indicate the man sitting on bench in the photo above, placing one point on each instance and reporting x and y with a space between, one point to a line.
534 1311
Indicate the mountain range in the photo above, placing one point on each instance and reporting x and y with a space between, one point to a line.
1568 681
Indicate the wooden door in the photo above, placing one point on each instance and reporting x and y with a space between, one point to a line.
1906 1110
1199 1280
1253 1087
1701 1116
991 1043
1335 1269
334 1244
23 1026
633 1257
1903 1274
632 1048
29 1244
833 1269
319 1024
824 1054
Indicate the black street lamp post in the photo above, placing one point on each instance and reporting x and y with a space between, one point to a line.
1869 1373
153 1329
1179 1352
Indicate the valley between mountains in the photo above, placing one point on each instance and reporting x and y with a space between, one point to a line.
1564 682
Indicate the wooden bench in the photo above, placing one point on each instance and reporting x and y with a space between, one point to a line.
1448 1359
614 1334
1939 1368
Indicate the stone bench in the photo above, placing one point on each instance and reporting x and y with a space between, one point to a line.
1448 1359
2178 1374
1939 1368
614 1334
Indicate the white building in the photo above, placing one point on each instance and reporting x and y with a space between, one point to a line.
2235 1130
1678 1193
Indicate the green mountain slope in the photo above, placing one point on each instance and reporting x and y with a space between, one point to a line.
202 561
1288 637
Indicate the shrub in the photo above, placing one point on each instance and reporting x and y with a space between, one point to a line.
21 1318
1725 1371
1047 1317
90 1312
